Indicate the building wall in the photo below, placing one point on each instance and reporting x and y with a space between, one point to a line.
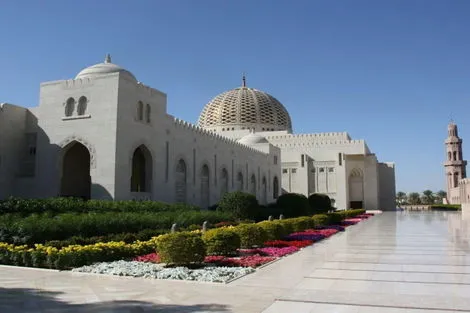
387 189
12 132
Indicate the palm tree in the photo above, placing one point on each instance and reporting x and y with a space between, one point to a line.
428 197
441 195
414 198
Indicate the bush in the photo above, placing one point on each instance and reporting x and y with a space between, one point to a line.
319 203
71 205
274 229
320 220
250 235
181 248
302 223
293 204
446 207
221 241
242 205
335 218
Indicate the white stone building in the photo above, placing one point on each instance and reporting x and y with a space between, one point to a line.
104 135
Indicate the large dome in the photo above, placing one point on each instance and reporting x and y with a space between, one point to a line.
245 108
104 68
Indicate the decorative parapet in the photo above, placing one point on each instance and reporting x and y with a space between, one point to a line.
213 135
149 90
309 137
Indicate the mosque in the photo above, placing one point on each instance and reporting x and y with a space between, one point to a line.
105 135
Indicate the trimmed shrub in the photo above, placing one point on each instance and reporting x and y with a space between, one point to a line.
288 225
250 235
242 205
274 229
319 203
181 248
294 204
302 223
320 220
221 241
335 218
446 207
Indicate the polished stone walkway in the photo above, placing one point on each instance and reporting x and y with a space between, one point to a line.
392 263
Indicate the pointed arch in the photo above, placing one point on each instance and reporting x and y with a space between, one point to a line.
455 155
356 189
205 186
141 171
223 182
181 178
456 179
275 187
264 191
240 185
253 184
75 174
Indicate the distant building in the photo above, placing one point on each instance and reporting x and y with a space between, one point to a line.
105 135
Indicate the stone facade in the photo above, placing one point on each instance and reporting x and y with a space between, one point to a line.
104 135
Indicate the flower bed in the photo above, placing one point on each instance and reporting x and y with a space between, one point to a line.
293 243
158 271
244 261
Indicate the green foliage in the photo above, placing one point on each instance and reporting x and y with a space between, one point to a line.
250 235
294 204
319 203
302 223
221 241
242 205
446 207
320 220
335 218
274 229
70 205
181 248
39 228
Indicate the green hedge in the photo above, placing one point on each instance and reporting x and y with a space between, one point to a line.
221 241
70 205
250 235
294 205
446 207
39 228
240 204
319 203
181 248
274 229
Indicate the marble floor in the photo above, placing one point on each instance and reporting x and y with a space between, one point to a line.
392 263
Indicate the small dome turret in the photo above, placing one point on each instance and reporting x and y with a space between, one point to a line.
252 139
104 68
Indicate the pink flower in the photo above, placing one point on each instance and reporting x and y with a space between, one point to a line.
152 257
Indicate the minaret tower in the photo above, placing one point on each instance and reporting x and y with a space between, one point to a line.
455 165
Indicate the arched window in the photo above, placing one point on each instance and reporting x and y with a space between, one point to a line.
240 182
275 187
141 177
180 181
223 182
69 106
140 111
449 154
264 191
205 192
455 155
253 185
147 113
82 104
456 179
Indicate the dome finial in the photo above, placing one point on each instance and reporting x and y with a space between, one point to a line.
244 79
107 59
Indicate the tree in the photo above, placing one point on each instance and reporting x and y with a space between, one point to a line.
401 197
428 197
441 195
414 198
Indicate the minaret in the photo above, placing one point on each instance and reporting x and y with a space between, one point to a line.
454 165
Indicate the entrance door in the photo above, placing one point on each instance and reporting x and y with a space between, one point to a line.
76 179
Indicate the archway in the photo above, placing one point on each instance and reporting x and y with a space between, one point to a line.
141 177
76 179
205 191
253 185
264 191
240 181
223 182
356 189
275 187
180 184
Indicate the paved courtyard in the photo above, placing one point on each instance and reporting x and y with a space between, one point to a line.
393 263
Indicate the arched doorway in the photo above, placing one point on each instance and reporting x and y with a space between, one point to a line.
141 177
76 179
205 191
264 191
223 182
275 188
180 184
253 185
240 181
356 189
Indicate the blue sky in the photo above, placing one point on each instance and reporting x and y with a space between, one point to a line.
390 72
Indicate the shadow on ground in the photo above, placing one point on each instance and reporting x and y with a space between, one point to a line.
23 300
